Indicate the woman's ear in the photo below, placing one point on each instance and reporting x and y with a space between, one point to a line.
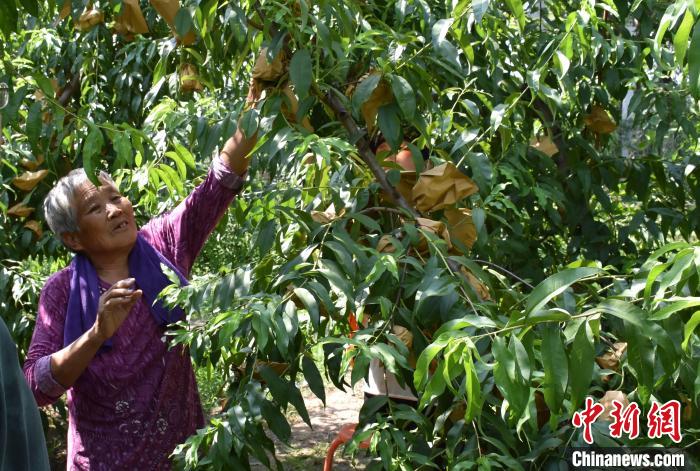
72 241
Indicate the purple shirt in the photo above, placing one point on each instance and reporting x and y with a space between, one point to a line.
134 403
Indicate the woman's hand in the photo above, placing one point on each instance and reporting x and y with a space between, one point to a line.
114 307
69 363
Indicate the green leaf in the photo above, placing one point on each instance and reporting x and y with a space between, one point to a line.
364 90
671 15
285 392
466 321
549 315
266 236
435 387
556 368
555 285
640 359
276 421
404 95
497 116
45 85
562 63
516 7
479 218
310 303
654 273
92 149
443 46
322 294
473 388
694 62
680 39
479 8
675 305
521 358
389 357
249 122
390 124
366 221
581 359
8 18
637 318
508 378
332 272
183 22
681 262
343 256
300 70
277 386
313 378
690 328
426 356
181 170
31 6
623 310
122 147
185 155
482 171
34 123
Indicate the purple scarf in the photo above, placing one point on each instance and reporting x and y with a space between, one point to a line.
144 266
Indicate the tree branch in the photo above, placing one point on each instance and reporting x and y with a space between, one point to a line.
376 209
70 90
359 137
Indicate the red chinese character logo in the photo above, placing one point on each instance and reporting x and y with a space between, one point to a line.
587 417
625 419
665 420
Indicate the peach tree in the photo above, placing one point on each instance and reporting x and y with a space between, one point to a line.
543 250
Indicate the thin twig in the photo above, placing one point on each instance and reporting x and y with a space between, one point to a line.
505 271
382 209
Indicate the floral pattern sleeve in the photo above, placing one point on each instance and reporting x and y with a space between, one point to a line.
47 339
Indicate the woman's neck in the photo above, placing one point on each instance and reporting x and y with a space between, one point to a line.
111 269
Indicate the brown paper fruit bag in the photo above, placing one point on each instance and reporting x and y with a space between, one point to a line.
189 81
35 227
436 227
168 9
442 186
269 71
461 226
28 180
20 210
599 121
131 21
89 19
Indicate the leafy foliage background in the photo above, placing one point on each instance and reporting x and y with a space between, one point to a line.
592 244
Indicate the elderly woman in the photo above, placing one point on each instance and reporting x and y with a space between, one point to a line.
99 331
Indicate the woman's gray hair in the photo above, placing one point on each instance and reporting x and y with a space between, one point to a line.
59 204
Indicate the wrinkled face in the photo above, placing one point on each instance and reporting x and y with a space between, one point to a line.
105 220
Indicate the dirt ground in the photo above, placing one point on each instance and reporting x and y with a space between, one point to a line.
309 446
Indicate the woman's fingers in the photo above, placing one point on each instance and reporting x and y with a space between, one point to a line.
130 297
120 289
118 293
